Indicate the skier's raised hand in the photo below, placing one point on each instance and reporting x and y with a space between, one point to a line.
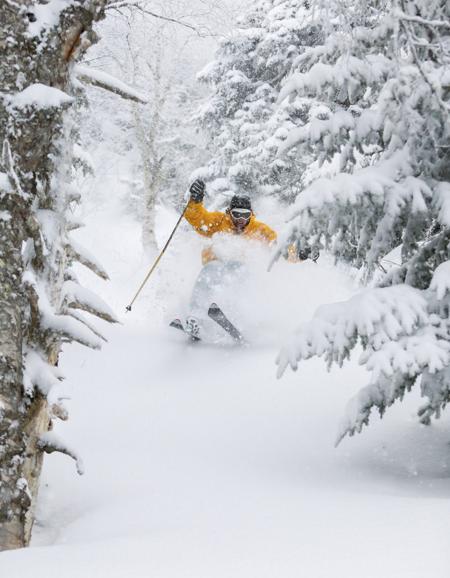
304 254
308 253
197 191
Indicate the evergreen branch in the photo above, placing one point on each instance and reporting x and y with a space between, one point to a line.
418 20
419 65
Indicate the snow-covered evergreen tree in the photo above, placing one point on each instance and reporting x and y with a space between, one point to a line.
383 77
241 118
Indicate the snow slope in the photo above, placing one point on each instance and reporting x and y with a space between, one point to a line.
199 463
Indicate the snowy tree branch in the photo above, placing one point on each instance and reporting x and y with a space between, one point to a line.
418 20
82 320
70 329
107 82
77 297
77 253
50 443
444 107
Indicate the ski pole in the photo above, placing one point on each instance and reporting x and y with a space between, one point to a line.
157 260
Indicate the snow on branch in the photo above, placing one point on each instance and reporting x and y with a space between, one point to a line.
77 297
418 20
39 373
66 327
436 387
108 82
375 196
440 282
418 270
50 442
332 128
78 253
348 71
400 339
41 96
69 329
380 395
443 203
380 315
79 317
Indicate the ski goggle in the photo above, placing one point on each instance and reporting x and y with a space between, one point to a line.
244 214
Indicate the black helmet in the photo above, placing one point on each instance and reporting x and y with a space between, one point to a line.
238 202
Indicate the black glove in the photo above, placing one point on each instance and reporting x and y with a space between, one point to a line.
197 191
304 254
308 253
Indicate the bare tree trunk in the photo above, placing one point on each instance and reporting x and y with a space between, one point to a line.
152 176
149 130
34 68
14 499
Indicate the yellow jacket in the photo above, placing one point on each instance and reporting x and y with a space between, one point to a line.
208 223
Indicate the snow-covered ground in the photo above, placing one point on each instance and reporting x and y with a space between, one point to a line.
199 463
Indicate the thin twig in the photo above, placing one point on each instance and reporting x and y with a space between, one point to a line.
138 6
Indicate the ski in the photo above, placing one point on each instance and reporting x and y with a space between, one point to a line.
217 315
178 325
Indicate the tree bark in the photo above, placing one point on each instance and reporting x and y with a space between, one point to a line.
34 53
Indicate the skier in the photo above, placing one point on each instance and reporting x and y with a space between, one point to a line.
238 219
